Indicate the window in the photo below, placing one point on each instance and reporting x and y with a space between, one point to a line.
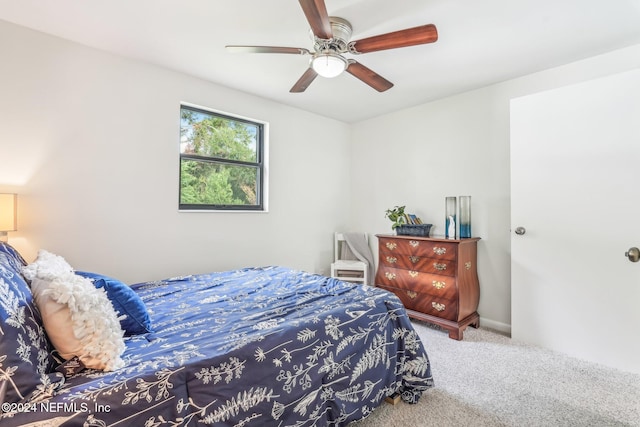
221 161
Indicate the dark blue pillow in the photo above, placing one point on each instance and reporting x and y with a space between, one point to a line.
14 259
24 348
125 302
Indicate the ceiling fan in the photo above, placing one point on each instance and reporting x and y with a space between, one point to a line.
332 37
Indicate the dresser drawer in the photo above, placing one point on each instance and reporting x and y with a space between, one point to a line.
436 285
425 303
420 248
418 263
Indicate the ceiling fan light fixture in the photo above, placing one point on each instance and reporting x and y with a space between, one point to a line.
329 64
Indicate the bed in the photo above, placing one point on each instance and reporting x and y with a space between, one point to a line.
267 346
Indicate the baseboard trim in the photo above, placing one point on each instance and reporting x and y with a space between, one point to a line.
504 328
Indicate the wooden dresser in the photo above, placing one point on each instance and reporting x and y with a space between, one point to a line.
435 278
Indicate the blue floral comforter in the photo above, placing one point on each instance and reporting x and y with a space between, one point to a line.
259 346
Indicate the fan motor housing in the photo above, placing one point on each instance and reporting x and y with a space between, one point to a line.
342 31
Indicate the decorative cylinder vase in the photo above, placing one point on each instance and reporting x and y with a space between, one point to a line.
450 212
464 217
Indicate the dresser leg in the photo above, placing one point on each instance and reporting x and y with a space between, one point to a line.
455 334
475 322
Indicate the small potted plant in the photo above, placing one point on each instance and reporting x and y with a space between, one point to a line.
396 215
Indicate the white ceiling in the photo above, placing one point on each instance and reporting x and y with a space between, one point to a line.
480 42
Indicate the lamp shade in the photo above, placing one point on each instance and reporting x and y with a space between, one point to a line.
329 64
8 212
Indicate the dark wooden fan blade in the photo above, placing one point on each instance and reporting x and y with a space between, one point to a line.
368 76
318 18
303 82
403 38
268 49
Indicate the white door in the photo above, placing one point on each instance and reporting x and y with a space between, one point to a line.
575 189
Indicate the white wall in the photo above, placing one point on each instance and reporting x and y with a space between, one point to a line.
458 146
90 142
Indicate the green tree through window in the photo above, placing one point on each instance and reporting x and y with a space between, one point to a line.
221 161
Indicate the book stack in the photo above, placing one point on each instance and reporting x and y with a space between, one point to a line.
411 219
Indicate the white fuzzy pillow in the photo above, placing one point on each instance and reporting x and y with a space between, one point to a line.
46 266
79 319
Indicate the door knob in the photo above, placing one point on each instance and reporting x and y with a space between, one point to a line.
520 231
633 254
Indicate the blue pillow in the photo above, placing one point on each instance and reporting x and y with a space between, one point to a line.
14 259
125 302
25 360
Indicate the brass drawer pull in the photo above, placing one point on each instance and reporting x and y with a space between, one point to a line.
414 259
467 265
438 306
440 266
392 259
439 250
438 284
412 294
391 246
413 274
414 243
390 276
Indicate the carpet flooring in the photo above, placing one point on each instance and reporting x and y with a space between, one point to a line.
491 380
